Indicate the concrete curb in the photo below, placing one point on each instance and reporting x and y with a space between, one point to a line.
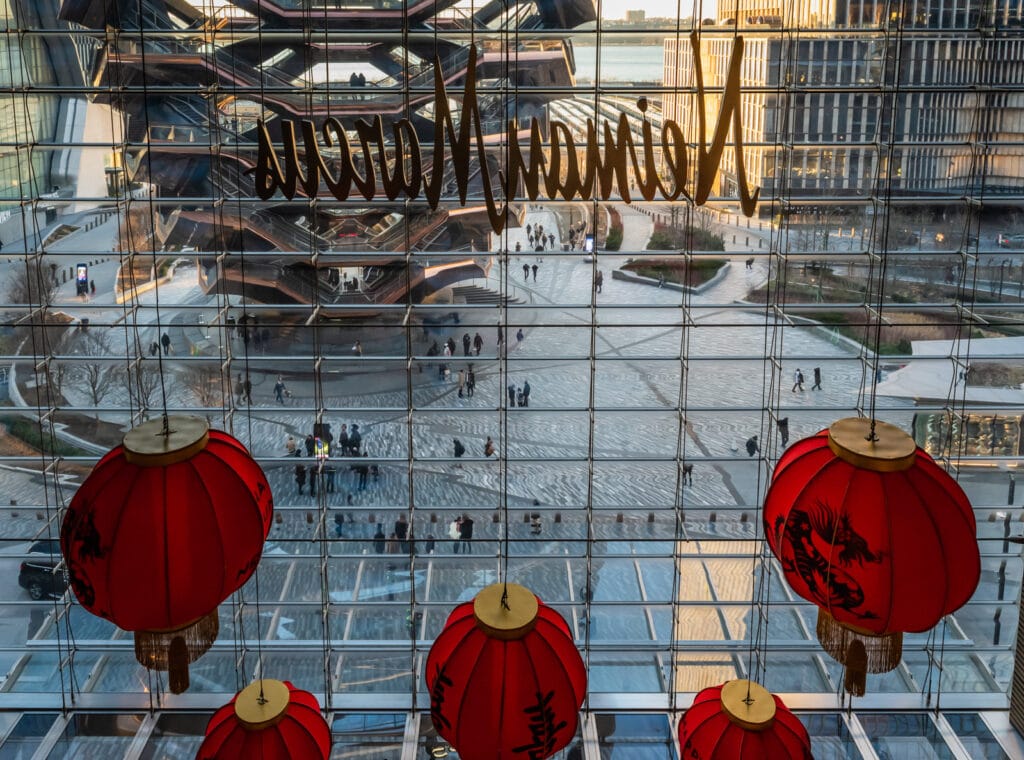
832 335
721 274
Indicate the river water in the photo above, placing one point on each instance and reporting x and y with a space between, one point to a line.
620 63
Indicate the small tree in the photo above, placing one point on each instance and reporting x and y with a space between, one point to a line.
205 383
97 377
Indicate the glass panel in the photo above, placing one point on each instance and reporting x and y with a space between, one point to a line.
906 735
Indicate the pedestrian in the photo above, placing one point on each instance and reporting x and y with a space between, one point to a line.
466 340
529 229
599 280
752 447
551 237
300 476
461 381
459 448
357 348
248 391
750 263
314 476
364 471
817 380
519 246
379 539
534 268
455 533
451 346
511 394
310 444
239 388
165 341
520 335
339 524
489 447
428 546
279 390
798 381
343 444
501 336
353 80
526 272
519 397
478 343
362 79
401 528
330 472
466 534
92 287
355 440
434 350
661 280
526 393
783 425
289 445
154 348
470 381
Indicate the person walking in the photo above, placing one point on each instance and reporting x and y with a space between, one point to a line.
478 343
459 448
466 534
783 426
519 246
247 385
466 340
451 346
357 348
239 388
520 335
526 393
401 528
798 381
752 447
489 447
470 381
526 272
289 445
501 336
279 390
817 380
599 280
310 444
343 444
534 268
461 380
379 540
455 533
300 476
511 395
165 341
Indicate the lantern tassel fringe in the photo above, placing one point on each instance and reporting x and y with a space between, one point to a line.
861 652
173 650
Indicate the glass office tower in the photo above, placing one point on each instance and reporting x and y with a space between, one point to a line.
257 216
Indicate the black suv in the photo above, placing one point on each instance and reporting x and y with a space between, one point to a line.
39 575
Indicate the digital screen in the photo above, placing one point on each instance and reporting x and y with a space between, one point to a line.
82 273
588 245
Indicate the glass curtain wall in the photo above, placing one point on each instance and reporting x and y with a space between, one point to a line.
448 378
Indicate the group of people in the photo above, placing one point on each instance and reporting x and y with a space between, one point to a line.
798 380
527 268
460 530
459 448
519 396
470 346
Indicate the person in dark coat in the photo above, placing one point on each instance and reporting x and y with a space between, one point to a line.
309 443
466 340
165 341
752 447
459 448
470 381
355 440
379 539
526 271
343 444
526 393
783 425
451 345
300 476
511 394
534 268
478 343
817 380
466 534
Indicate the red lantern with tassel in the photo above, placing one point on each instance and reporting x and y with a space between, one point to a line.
268 720
166 527
505 677
741 720
868 527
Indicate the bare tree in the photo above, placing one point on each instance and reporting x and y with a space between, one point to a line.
31 284
205 383
98 378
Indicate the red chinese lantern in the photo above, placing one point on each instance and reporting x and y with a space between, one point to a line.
166 527
267 720
741 720
868 527
505 678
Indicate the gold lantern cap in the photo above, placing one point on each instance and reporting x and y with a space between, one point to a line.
149 445
511 620
891 451
748 704
262 704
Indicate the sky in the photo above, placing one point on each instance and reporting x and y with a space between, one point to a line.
656 8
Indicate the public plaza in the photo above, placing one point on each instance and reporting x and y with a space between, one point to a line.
141 274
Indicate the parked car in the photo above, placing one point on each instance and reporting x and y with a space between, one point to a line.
40 574
1010 241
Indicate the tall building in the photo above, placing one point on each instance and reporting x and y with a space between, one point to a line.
816 78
